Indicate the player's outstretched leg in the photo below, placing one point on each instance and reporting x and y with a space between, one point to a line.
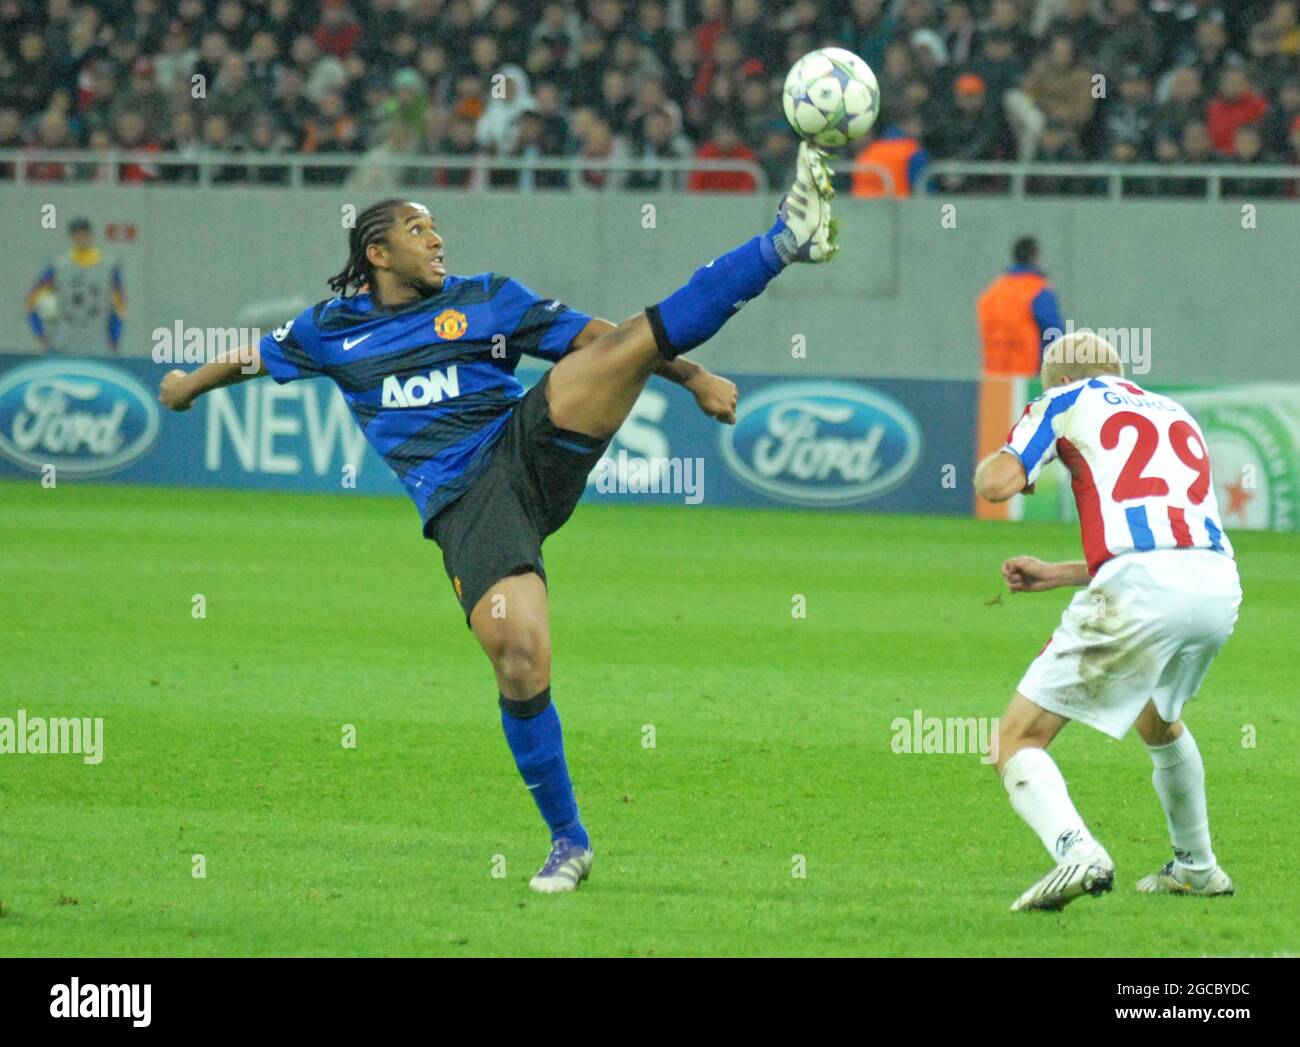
1179 780
1038 794
511 621
591 392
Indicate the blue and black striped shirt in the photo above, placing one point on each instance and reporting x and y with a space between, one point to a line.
431 383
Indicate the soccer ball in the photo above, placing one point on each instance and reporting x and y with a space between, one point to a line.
831 97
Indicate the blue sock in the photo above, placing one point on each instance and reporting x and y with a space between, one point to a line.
693 314
533 733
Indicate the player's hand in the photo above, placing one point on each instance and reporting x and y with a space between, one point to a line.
716 397
174 392
1025 574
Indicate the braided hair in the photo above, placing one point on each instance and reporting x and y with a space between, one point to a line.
370 227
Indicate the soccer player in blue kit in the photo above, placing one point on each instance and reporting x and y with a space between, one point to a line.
426 361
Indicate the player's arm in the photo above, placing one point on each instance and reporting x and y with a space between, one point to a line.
180 389
1000 476
715 396
1026 574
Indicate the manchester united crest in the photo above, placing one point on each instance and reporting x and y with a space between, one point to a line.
450 324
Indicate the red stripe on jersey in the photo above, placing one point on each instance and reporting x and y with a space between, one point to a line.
1091 527
1182 534
1012 431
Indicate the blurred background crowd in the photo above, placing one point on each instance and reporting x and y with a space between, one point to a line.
1124 81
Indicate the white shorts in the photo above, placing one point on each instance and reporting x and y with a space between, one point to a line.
1147 627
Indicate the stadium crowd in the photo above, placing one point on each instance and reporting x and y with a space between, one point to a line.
1169 81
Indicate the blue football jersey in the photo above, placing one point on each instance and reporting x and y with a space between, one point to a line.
430 383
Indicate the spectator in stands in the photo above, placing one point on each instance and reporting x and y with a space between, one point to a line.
652 30
1018 315
1058 144
218 139
1209 51
1282 117
408 102
659 140
377 172
616 100
1076 21
959 32
11 137
756 110
723 144
1184 102
779 154
30 81
971 129
143 97
555 125
1267 66
998 65
52 133
130 133
1005 18
233 96
339 31
462 144
267 140
532 142
1248 151
1129 39
1236 104
898 151
1057 88
600 143
868 30
510 98
1130 119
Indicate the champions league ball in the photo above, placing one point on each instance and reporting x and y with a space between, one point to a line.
831 97
47 307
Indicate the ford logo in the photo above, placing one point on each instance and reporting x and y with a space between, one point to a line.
821 443
83 418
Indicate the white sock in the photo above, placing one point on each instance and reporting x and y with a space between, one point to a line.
1179 778
1039 796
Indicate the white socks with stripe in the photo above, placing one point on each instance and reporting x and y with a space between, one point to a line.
1039 796
1179 778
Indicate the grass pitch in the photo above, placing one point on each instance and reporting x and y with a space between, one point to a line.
771 739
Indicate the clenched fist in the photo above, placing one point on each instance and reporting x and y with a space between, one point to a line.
174 392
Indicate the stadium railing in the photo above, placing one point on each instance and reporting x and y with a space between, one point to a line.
1113 181
53 167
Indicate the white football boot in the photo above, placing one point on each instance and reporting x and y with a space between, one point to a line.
1093 874
566 866
810 233
1176 879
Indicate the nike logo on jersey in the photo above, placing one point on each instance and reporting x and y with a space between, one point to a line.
348 343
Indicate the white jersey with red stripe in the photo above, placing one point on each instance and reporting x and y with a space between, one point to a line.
1139 462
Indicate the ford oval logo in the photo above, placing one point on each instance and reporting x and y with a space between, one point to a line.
83 418
822 443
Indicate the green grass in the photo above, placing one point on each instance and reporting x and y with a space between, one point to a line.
223 738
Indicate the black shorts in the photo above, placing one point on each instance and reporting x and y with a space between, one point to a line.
530 487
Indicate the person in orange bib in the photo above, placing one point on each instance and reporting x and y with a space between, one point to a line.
1018 315
900 152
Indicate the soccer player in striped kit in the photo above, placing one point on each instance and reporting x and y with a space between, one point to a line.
1158 598
426 363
